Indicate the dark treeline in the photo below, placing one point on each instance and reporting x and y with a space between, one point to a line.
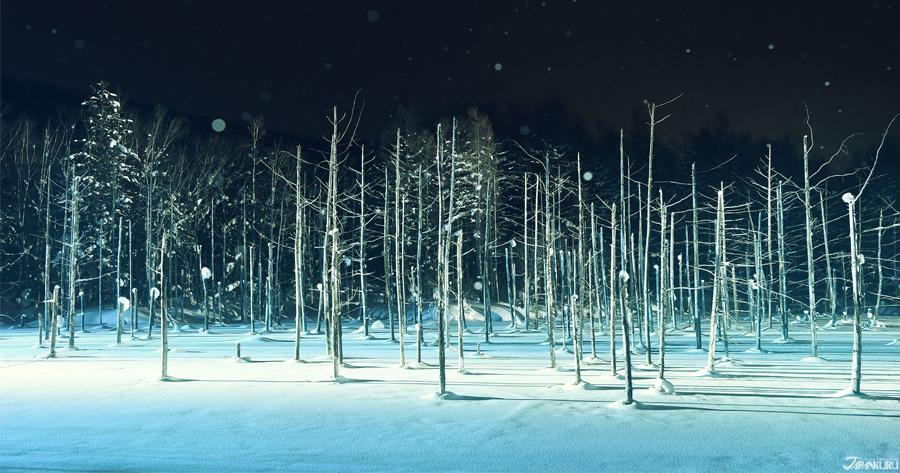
568 228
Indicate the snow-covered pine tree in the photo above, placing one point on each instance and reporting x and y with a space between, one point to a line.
106 178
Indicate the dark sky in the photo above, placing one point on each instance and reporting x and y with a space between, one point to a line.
756 62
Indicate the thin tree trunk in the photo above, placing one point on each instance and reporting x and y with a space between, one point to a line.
829 276
525 281
362 242
578 296
54 322
612 293
856 360
419 216
398 257
782 267
769 255
385 256
626 339
810 269
717 282
460 302
163 313
73 258
119 285
663 299
697 287
441 273
548 262
874 321
252 290
298 258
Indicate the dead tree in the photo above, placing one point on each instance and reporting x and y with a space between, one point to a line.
163 312
299 314
810 269
460 302
718 285
612 292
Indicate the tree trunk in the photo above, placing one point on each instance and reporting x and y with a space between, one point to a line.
441 272
548 261
54 322
119 285
298 258
163 312
810 269
697 287
717 282
782 267
460 302
856 360
612 293
73 258
398 257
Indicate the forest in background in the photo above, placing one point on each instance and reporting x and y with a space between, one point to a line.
706 227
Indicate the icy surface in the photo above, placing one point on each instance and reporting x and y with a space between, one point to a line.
103 408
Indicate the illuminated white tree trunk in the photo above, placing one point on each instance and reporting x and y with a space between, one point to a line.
163 312
119 285
54 322
548 262
73 257
646 254
829 276
662 385
398 254
612 293
364 316
810 268
525 281
856 360
718 286
441 273
626 337
298 259
460 302
697 290
782 266
420 331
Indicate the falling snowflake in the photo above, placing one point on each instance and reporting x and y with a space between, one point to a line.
498 67
588 176
771 46
218 125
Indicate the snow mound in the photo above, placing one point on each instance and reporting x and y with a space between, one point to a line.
621 405
813 359
662 386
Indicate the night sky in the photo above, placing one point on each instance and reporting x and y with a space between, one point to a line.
755 62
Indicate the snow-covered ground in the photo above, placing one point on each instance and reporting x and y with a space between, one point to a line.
102 407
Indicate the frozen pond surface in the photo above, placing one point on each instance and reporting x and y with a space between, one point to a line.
102 408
